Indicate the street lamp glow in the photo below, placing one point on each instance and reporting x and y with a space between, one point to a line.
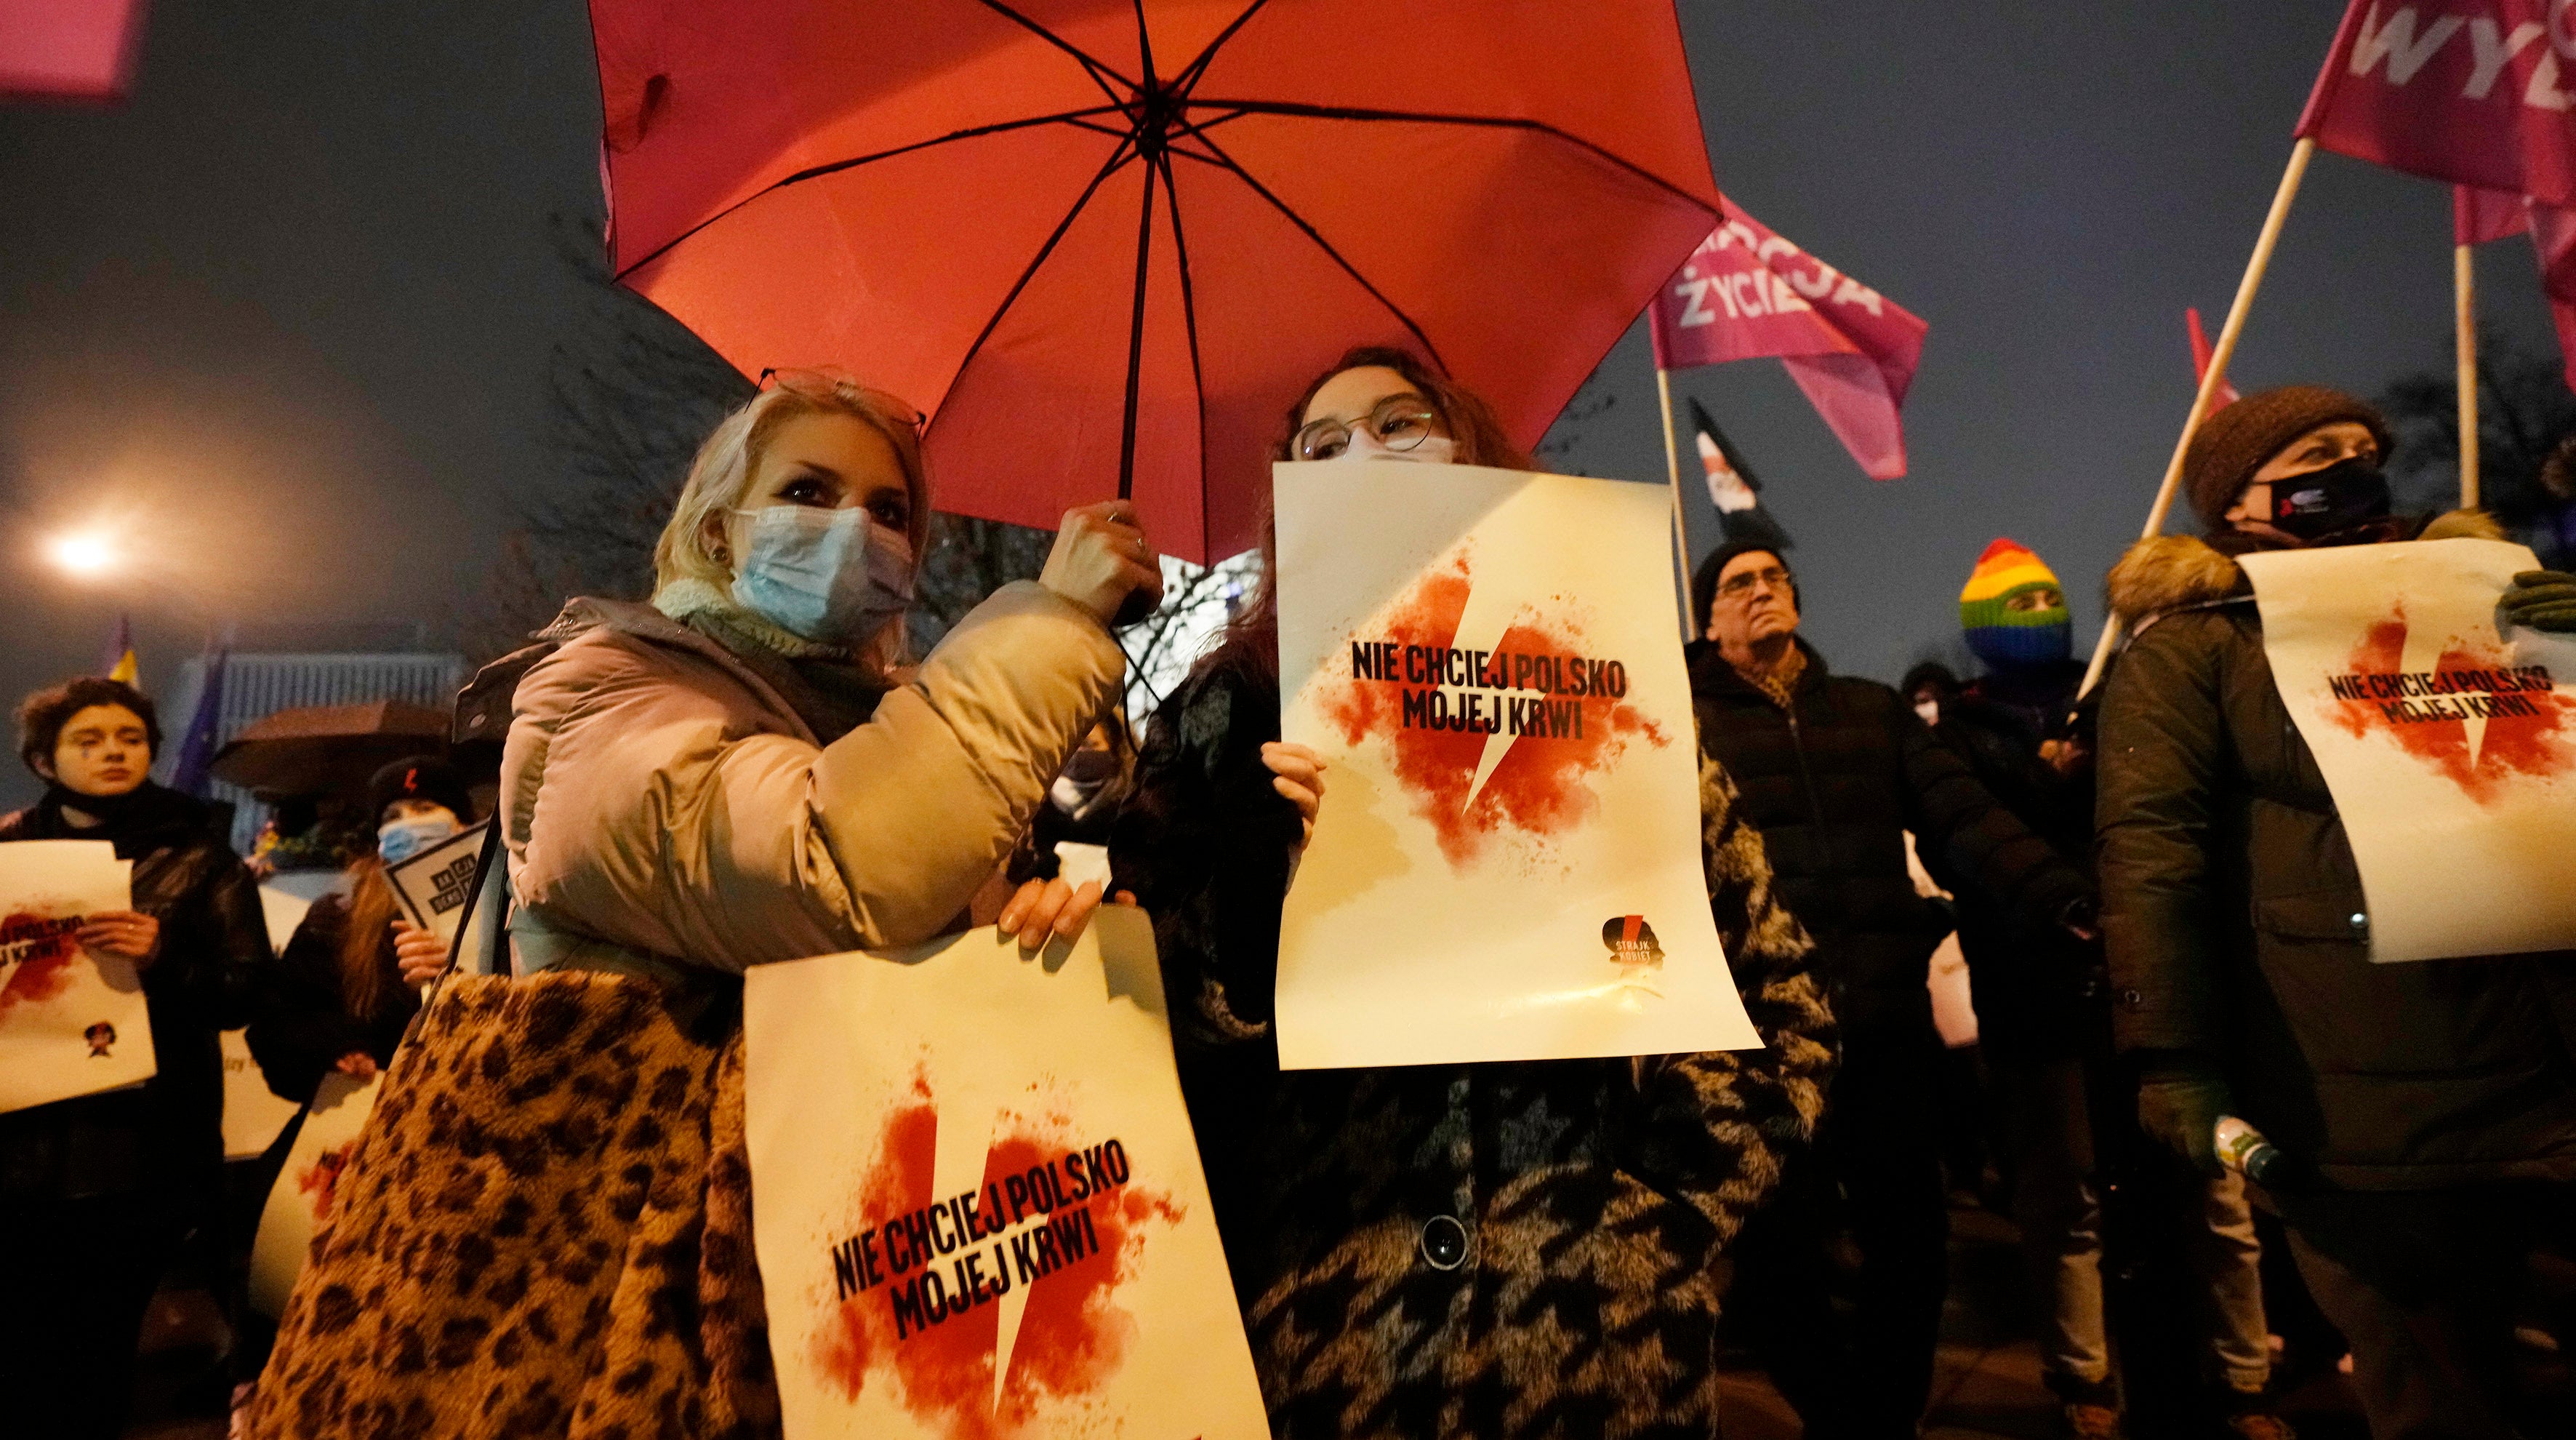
84 554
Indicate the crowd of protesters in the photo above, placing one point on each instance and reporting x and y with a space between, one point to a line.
2149 881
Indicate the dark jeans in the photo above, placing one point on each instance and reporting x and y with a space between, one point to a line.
1876 1170
2424 1286
75 1279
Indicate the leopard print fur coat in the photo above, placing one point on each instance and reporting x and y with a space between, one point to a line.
546 1231
1503 1250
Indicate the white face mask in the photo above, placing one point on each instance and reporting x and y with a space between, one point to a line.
1930 710
1434 449
835 577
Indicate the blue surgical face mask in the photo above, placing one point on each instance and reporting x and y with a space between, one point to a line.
399 840
835 577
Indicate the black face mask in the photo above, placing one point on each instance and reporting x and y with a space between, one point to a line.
2321 502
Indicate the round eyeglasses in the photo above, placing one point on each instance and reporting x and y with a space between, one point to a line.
1398 423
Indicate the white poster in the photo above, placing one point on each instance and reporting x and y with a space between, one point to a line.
980 1211
254 1115
2450 747
301 1199
1507 863
72 1022
433 884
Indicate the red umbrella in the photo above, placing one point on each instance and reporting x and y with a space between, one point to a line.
1105 243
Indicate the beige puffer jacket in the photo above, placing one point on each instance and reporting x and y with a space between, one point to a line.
662 804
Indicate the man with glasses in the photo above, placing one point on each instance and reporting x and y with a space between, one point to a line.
1834 771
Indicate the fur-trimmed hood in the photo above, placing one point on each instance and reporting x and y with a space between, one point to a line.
2170 572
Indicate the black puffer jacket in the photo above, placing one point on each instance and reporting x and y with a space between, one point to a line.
2038 992
1498 1250
1833 782
167 1137
2238 930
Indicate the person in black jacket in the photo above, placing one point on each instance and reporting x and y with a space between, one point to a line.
341 996
1834 772
97 1192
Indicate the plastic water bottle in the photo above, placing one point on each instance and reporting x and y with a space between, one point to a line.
2243 1149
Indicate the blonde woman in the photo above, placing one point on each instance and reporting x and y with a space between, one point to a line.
548 1225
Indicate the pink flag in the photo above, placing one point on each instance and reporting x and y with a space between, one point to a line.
1746 293
2476 92
68 49
2200 353
2478 216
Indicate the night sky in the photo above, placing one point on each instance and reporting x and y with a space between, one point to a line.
286 317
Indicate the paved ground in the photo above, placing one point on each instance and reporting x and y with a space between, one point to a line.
1988 1386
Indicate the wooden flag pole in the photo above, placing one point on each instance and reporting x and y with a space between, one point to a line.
1681 532
2464 303
2211 380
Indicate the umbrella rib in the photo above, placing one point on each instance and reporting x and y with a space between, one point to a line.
1145 56
1116 161
1228 163
1095 67
1136 333
1190 74
1068 117
1497 122
1189 323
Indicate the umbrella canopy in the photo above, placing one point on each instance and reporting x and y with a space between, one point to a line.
1105 244
316 749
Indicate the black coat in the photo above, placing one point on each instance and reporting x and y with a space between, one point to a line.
2038 992
167 1137
1592 1195
1833 782
302 1024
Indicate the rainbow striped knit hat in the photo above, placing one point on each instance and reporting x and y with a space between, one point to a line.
2034 632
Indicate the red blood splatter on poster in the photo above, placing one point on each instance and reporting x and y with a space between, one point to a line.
1539 790
43 947
1073 1336
321 1179
2515 746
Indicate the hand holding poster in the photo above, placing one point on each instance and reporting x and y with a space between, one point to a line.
71 1022
433 885
980 1206
1506 865
301 1199
2450 748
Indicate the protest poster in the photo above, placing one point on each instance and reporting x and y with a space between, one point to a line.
433 885
72 1022
301 1199
980 1206
2450 748
254 1115
1507 863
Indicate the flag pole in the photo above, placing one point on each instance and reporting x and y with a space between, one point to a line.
1681 532
2464 304
2211 379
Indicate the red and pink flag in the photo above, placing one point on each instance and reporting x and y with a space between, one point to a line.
2476 92
2478 216
1746 293
68 49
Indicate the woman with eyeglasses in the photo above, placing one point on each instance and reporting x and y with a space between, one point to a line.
552 1208
1446 1249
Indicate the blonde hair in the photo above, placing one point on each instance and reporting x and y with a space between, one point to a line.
721 475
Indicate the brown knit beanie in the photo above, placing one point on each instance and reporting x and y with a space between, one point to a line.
2233 443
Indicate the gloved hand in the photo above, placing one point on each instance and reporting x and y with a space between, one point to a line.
2541 599
2179 1103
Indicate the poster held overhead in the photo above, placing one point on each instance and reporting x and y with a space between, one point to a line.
72 1022
2450 748
980 1207
1509 865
